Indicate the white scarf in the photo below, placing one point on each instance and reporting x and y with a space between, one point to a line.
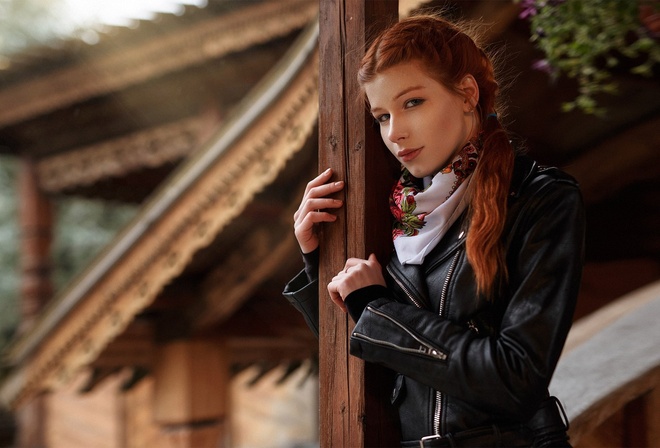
423 215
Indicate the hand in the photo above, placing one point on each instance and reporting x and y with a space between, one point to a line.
357 273
312 210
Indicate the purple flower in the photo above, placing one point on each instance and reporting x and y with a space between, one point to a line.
543 65
530 8
527 9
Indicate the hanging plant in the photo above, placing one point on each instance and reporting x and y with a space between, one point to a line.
586 39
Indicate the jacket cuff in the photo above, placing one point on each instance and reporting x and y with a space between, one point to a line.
312 264
358 300
303 295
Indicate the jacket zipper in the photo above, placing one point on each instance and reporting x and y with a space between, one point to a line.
441 310
424 348
404 288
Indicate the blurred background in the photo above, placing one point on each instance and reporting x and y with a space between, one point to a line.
152 153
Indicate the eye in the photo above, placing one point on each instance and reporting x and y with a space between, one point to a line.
413 102
380 119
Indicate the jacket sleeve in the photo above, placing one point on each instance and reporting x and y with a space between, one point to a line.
303 291
507 372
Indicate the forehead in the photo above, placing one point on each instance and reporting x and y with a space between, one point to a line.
387 85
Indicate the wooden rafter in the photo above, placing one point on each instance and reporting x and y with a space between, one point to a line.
609 167
198 202
230 33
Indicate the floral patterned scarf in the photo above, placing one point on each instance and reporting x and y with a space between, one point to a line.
424 209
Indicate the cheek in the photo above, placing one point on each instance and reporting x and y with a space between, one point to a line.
383 133
386 140
390 146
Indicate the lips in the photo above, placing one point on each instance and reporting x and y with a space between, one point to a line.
407 154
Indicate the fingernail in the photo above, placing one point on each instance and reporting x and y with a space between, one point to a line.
327 170
339 183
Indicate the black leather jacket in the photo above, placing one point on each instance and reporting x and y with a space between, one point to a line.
463 361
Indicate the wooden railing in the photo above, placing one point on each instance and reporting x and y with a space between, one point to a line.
608 377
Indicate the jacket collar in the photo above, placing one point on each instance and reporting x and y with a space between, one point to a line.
523 170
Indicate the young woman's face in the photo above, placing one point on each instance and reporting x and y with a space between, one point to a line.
423 123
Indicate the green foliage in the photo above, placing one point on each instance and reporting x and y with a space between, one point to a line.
586 39
8 250
82 228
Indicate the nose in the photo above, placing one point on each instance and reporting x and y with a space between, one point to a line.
397 130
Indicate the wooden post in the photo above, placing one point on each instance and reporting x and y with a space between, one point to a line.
36 227
352 396
191 381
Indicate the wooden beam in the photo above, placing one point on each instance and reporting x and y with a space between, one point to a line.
209 190
252 350
628 157
351 413
590 389
135 346
134 64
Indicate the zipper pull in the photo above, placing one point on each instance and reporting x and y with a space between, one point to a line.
435 353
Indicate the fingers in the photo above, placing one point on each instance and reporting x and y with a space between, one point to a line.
357 273
334 294
371 262
304 229
320 185
318 180
313 209
316 194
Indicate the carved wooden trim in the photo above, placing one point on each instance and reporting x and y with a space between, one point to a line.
169 235
114 158
229 33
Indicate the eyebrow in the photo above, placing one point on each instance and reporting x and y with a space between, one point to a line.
400 94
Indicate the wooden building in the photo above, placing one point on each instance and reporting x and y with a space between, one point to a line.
209 122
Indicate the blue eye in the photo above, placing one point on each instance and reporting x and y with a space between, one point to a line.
382 118
414 102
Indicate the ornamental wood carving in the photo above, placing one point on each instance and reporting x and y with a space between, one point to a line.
117 157
168 238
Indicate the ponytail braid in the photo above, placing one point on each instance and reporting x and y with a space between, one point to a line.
488 208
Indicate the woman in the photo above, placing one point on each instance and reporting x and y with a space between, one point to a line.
473 309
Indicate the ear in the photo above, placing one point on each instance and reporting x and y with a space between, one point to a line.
470 89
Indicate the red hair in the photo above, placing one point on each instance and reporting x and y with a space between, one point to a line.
448 55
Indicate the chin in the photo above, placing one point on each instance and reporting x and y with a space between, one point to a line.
418 172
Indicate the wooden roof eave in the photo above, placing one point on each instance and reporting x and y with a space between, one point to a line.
114 158
186 214
236 31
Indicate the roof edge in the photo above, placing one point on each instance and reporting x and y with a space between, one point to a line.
37 363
